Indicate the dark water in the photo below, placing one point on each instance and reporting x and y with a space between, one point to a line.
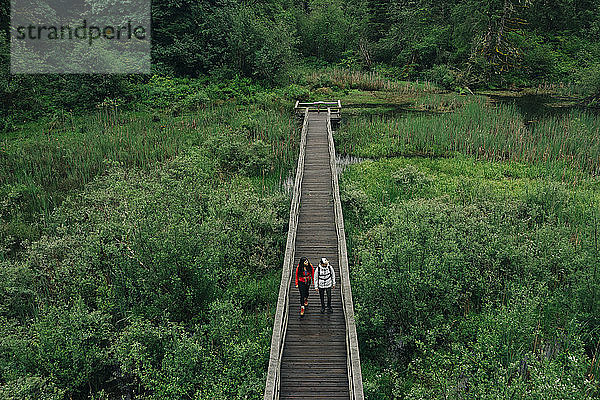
376 110
534 107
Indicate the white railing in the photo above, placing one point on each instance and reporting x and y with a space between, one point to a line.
335 106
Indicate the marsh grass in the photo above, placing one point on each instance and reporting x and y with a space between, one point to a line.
371 80
38 170
476 128
69 153
389 103
440 102
561 89
557 91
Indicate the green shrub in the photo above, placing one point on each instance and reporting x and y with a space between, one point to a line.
31 388
158 282
64 344
469 281
444 76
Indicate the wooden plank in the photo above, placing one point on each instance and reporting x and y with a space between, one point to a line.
316 334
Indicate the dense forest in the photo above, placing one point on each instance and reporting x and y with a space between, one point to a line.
143 218
461 45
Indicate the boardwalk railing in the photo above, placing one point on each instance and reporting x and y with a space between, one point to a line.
333 108
272 388
330 106
352 355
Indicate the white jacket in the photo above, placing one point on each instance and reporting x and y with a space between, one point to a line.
324 276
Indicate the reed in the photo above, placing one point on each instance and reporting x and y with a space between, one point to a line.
562 89
41 167
492 133
365 80
440 102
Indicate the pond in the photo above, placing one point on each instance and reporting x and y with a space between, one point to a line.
534 107
377 109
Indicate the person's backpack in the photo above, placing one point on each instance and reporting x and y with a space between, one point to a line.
327 277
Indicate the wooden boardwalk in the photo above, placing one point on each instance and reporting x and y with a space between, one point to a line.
314 351
315 356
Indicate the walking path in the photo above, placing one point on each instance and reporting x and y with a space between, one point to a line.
315 356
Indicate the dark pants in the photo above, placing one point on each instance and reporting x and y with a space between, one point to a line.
304 289
322 294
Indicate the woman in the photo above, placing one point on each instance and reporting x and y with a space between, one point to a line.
304 276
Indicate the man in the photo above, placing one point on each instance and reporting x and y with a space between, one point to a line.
324 282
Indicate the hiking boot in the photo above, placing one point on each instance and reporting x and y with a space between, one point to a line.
329 309
302 311
322 310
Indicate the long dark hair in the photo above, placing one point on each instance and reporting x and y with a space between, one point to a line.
301 265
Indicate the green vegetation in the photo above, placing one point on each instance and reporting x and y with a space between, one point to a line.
143 218
159 284
142 241
475 128
39 167
473 255
142 250
461 46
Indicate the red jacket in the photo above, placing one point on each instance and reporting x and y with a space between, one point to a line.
302 277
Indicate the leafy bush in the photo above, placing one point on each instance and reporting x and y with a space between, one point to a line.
235 154
468 283
31 388
147 284
443 75
66 345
